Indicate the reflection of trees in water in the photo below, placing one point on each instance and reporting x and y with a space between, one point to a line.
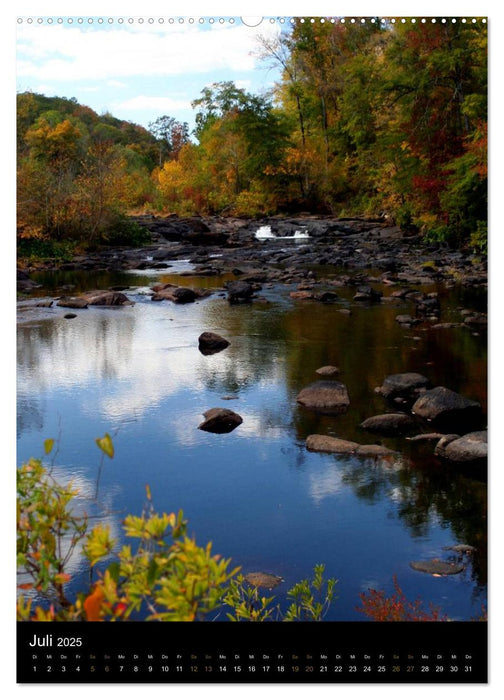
368 346
257 351
30 415
426 495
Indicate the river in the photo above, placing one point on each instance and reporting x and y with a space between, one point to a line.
257 493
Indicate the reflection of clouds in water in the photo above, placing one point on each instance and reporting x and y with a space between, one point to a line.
325 484
144 353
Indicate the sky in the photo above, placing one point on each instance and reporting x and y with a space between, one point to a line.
141 68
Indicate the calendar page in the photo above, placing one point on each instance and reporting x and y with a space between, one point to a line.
252 349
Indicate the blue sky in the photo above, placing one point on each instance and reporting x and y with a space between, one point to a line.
140 70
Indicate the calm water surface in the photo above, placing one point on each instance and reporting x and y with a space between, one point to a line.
257 493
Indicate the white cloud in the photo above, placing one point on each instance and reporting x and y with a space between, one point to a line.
116 84
60 53
161 104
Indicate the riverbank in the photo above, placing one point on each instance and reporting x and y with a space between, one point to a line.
288 250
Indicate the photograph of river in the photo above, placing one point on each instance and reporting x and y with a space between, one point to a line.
268 311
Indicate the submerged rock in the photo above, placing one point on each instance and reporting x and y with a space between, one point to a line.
442 406
210 343
325 397
259 579
220 420
436 567
389 424
374 451
461 548
407 320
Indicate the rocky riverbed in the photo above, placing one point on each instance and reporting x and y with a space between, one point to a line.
326 251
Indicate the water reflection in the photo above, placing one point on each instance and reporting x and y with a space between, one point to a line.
139 367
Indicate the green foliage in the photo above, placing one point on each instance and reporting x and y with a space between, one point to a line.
311 599
39 249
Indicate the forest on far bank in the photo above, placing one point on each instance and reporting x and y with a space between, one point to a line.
367 120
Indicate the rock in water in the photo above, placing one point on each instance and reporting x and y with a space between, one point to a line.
444 407
326 443
461 548
436 567
258 579
106 298
390 424
374 451
325 397
328 371
179 295
472 447
72 303
220 420
406 385
209 343
239 292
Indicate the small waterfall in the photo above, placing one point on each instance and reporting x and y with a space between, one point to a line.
264 233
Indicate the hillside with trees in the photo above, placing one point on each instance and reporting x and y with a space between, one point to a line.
371 120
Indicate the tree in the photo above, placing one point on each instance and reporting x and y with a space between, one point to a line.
170 135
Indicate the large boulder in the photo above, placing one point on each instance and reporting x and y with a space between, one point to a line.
472 447
220 420
445 408
390 424
325 397
209 343
406 385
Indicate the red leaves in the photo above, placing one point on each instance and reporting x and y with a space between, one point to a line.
396 608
